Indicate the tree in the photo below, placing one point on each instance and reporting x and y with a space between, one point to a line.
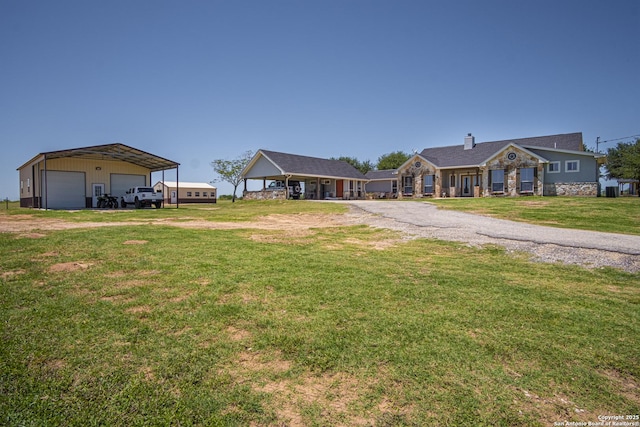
363 167
392 160
623 160
230 170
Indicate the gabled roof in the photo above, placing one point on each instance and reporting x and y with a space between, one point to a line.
456 155
183 184
416 158
115 151
381 175
296 165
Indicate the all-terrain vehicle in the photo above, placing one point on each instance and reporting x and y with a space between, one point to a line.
107 201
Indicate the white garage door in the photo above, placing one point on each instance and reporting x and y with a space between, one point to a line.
120 183
63 190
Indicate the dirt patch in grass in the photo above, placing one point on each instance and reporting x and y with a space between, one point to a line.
69 266
135 242
295 236
237 334
342 398
552 409
8 274
142 309
32 235
290 222
627 386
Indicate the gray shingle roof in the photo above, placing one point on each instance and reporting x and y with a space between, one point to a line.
456 155
384 174
313 166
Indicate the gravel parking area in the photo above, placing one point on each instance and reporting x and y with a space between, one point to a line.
546 244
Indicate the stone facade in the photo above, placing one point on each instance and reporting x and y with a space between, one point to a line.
264 195
571 189
511 161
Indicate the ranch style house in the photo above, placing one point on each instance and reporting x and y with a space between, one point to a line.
554 165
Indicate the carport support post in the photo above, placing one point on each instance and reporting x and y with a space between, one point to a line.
286 187
177 187
46 193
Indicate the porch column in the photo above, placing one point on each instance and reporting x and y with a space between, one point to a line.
417 186
485 182
400 189
541 180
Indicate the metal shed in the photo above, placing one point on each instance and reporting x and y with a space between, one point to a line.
75 177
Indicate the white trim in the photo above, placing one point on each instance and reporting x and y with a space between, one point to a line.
556 162
566 166
507 147
578 153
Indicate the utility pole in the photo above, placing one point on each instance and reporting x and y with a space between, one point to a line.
598 145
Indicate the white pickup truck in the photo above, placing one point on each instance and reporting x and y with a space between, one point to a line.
141 197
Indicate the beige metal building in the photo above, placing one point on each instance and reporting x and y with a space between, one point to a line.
186 192
75 178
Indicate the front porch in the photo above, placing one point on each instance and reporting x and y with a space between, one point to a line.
474 182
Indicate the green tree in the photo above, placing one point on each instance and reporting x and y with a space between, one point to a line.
230 170
363 167
392 160
623 160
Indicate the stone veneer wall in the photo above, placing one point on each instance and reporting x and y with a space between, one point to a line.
264 195
571 189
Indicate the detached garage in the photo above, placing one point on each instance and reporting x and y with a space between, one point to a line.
75 178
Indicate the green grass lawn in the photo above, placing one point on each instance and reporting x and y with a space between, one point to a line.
612 215
158 325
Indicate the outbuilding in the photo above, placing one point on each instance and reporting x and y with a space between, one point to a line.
186 192
76 177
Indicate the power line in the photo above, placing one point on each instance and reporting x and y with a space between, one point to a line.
618 139
598 142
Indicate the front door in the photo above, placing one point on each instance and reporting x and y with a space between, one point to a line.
174 197
97 190
339 188
467 189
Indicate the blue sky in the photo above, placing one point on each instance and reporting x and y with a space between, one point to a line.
194 81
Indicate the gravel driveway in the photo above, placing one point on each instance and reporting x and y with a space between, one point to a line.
547 244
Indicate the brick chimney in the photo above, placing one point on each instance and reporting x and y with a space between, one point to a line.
469 142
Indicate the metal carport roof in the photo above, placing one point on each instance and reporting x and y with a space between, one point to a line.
114 151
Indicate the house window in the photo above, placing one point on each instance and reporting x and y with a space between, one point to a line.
408 184
394 186
204 194
526 180
452 181
428 184
497 180
572 166
553 167
188 193
197 194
